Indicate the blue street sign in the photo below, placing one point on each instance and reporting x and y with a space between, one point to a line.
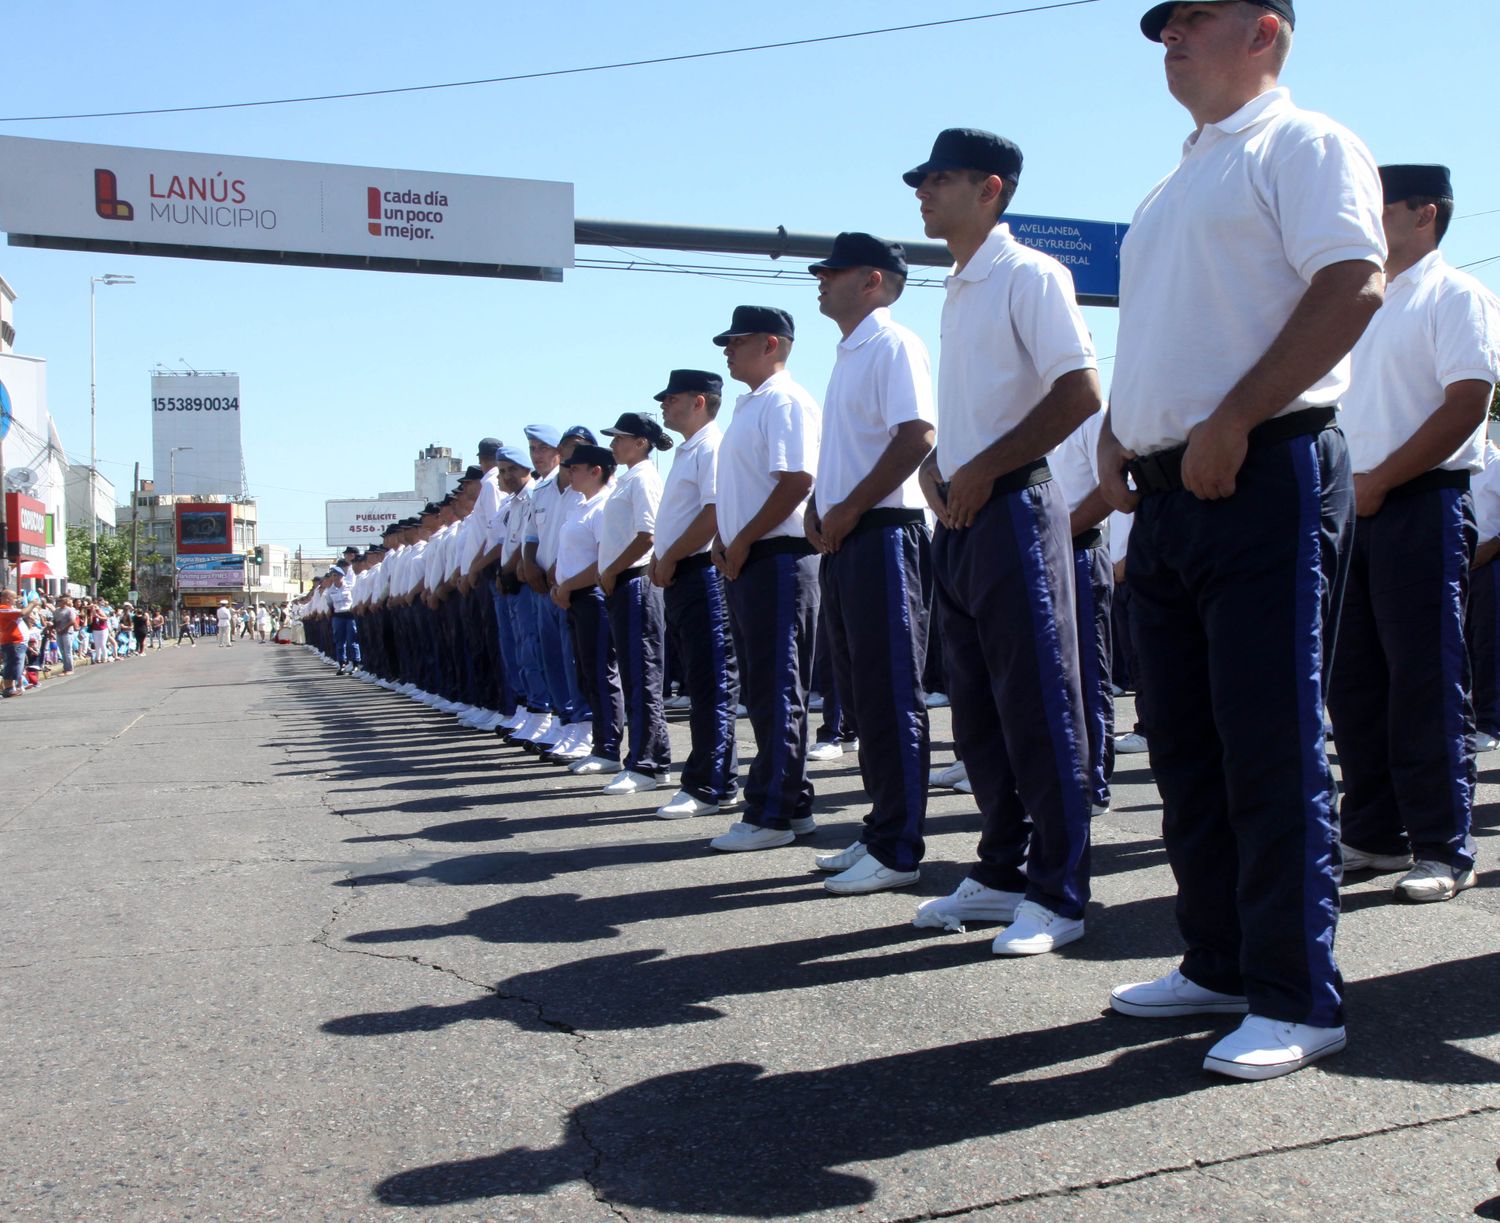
4 411
1090 250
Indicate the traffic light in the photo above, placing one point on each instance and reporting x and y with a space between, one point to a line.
260 554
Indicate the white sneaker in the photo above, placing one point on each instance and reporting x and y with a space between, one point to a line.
1263 1048
741 712
512 720
1482 741
937 700
1098 809
868 875
1131 744
949 777
742 837
552 736
842 860
518 732
680 701
628 781
825 749
803 827
491 721
1174 995
970 901
683 805
1358 860
1428 882
1036 931
815 702
964 787
590 765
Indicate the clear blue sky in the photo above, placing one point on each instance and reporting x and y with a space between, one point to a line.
347 374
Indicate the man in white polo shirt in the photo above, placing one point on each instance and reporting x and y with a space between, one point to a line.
1399 698
1247 276
1016 375
693 593
637 620
868 522
766 466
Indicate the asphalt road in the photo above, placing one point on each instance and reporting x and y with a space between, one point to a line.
280 945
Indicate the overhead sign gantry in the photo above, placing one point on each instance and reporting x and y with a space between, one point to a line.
203 206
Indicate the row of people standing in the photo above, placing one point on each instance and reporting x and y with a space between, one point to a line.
1248 275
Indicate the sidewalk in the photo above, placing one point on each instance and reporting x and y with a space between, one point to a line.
281 945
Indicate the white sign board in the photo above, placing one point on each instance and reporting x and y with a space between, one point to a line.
363 521
198 416
91 196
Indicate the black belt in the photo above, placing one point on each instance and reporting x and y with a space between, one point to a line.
635 571
1026 476
1429 480
888 516
1162 472
1091 538
698 560
583 590
782 545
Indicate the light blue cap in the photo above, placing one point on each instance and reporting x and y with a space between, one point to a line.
548 435
514 454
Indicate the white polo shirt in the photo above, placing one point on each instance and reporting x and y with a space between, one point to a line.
1011 328
1220 253
491 500
1486 491
1438 326
631 509
471 540
517 513
341 598
542 520
578 541
1075 462
692 484
774 429
549 526
882 378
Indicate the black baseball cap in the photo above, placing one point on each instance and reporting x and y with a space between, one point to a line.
580 432
757 320
1158 15
489 447
969 148
351 550
589 456
1401 183
858 250
691 381
638 424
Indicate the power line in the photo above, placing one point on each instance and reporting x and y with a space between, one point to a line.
534 76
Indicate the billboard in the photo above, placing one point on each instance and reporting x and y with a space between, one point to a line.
204 530
198 416
363 521
201 205
25 527
211 579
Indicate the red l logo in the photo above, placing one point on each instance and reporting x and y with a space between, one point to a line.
107 201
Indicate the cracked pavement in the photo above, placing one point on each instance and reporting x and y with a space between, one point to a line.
281 945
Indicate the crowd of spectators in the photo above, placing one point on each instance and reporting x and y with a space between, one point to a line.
40 632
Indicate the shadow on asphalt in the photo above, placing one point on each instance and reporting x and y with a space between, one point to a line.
730 1139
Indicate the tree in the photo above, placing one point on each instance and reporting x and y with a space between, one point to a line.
1495 403
114 563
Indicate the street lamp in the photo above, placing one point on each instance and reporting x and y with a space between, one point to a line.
110 278
172 464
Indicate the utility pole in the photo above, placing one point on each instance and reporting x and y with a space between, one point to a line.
109 278
135 497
